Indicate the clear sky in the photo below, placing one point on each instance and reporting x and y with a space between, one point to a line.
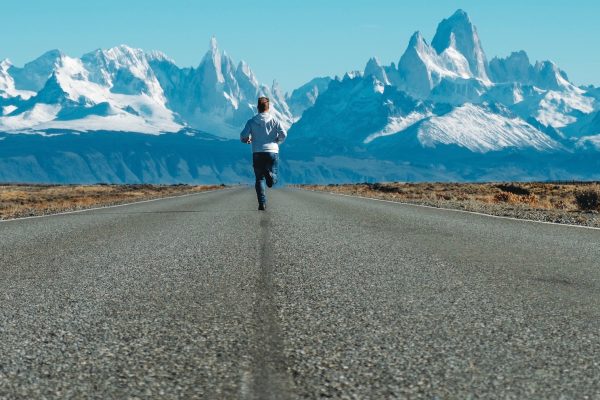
295 40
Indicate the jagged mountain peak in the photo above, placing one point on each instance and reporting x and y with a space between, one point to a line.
49 56
214 45
47 60
246 78
372 66
34 74
517 68
211 62
123 50
306 95
417 40
550 76
120 56
245 69
156 55
514 68
460 15
459 32
421 68
375 69
519 55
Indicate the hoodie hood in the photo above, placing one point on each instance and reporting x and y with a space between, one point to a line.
262 117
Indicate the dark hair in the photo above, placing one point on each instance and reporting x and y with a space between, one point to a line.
263 104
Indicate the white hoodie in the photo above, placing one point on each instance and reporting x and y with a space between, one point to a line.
266 133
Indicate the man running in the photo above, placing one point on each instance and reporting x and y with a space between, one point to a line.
266 134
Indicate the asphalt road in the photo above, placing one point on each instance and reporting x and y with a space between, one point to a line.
321 296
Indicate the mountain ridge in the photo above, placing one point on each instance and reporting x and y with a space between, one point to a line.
443 99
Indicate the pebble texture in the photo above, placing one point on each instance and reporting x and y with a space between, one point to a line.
320 296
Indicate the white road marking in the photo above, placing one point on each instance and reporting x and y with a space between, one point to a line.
112 206
455 210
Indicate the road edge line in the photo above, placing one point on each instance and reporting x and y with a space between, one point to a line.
453 209
114 205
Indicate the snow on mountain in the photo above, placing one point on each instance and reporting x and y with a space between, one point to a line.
398 124
517 68
514 68
593 92
588 125
7 83
508 103
443 112
306 95
34 74
350 109
7 109
217 96
459 33
561 108
357 110
37 114
480 129
422 68
541 91
587 142
246 79
375 69
125 70
592 125
444 73
109 90
547 75
127 89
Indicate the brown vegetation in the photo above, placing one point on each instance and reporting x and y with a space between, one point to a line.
28 200
588 199
567 202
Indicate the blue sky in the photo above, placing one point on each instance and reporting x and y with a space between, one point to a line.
293 41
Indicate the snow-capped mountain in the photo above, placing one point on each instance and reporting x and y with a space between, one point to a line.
457 98
458 36
454 63
443 112
306 95
129 90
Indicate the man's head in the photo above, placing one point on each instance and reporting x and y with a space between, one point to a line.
263 104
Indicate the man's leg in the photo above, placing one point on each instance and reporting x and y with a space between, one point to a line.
272 169
259 173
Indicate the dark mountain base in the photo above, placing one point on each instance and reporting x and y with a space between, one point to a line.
198 158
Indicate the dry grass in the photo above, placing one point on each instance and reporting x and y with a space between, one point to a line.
28 200
543 201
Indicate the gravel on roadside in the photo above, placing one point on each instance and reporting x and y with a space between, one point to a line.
513 210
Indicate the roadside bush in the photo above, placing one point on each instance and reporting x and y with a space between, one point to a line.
384 188
588 200
507 197
529 199
559 204
443 196
514 189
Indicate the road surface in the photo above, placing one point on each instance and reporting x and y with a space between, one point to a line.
321 296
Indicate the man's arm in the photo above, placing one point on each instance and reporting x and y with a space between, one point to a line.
281 133
246 134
